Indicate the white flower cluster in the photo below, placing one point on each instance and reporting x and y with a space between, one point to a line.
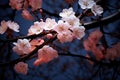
90 4
21 67
68 28
11 25
38 27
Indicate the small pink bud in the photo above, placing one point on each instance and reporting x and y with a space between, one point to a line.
49 36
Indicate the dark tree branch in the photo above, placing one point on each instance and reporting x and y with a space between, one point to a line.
103 21
88 25
32 54
27 37
29 55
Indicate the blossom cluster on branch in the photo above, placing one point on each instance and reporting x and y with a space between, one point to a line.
68 28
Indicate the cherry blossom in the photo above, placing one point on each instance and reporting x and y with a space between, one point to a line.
35 4
45 55
3 27
36 28
95 36
78 32
21 67
61 26
13 26
22 47
90 44
72 20
97 53
69 27
97 10
26 14
16 4
67 13
66 36
86 4
50 24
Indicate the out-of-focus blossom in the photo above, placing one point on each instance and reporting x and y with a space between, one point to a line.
97 53
88 45
117 47
67 13
88 56
95 36
78 32
61 26
3 27
16 4
65 36
86 4
97 10
91 44
49 24
21 67
113 52
45 55
13 26
36 28
22 47
26 14
35 4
